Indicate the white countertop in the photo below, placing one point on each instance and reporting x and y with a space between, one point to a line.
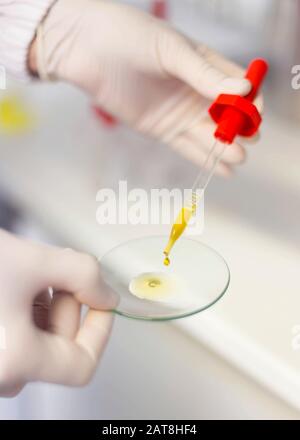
55 173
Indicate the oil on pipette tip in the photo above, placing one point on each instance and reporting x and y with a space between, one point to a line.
180 225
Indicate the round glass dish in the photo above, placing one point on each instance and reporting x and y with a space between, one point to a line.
195 280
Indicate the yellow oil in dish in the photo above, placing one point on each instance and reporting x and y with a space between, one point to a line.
155 286
179 226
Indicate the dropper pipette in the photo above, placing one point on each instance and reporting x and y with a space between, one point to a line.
190 206
235 115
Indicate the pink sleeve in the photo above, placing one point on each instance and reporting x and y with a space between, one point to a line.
18 23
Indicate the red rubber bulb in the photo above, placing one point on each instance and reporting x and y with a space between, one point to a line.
237 115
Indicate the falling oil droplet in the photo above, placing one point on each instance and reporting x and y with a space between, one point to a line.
167 261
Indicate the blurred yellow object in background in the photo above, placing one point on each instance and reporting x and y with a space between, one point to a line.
15 118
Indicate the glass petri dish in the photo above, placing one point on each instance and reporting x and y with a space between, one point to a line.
195 280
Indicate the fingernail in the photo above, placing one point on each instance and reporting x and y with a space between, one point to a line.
225 171
239 86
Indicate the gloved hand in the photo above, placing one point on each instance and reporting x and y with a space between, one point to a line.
141 70
41 338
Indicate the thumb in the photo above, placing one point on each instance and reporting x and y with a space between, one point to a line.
179 57
80 275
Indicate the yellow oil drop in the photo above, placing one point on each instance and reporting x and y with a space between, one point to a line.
154 283
154 286
167 261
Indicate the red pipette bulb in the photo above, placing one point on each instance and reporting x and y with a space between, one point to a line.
237 115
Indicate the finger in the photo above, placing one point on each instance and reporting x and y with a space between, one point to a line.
253 139
194 153
79 274
172 119
223 170
203 134
94 332
228 67
73 363
181 59
64 317
11 390
234 154
259 103
220 62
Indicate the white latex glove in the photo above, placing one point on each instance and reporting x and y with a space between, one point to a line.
44 340
141 70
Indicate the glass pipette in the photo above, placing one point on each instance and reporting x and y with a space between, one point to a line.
235 115
190 206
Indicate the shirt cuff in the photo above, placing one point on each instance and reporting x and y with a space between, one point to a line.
18 22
